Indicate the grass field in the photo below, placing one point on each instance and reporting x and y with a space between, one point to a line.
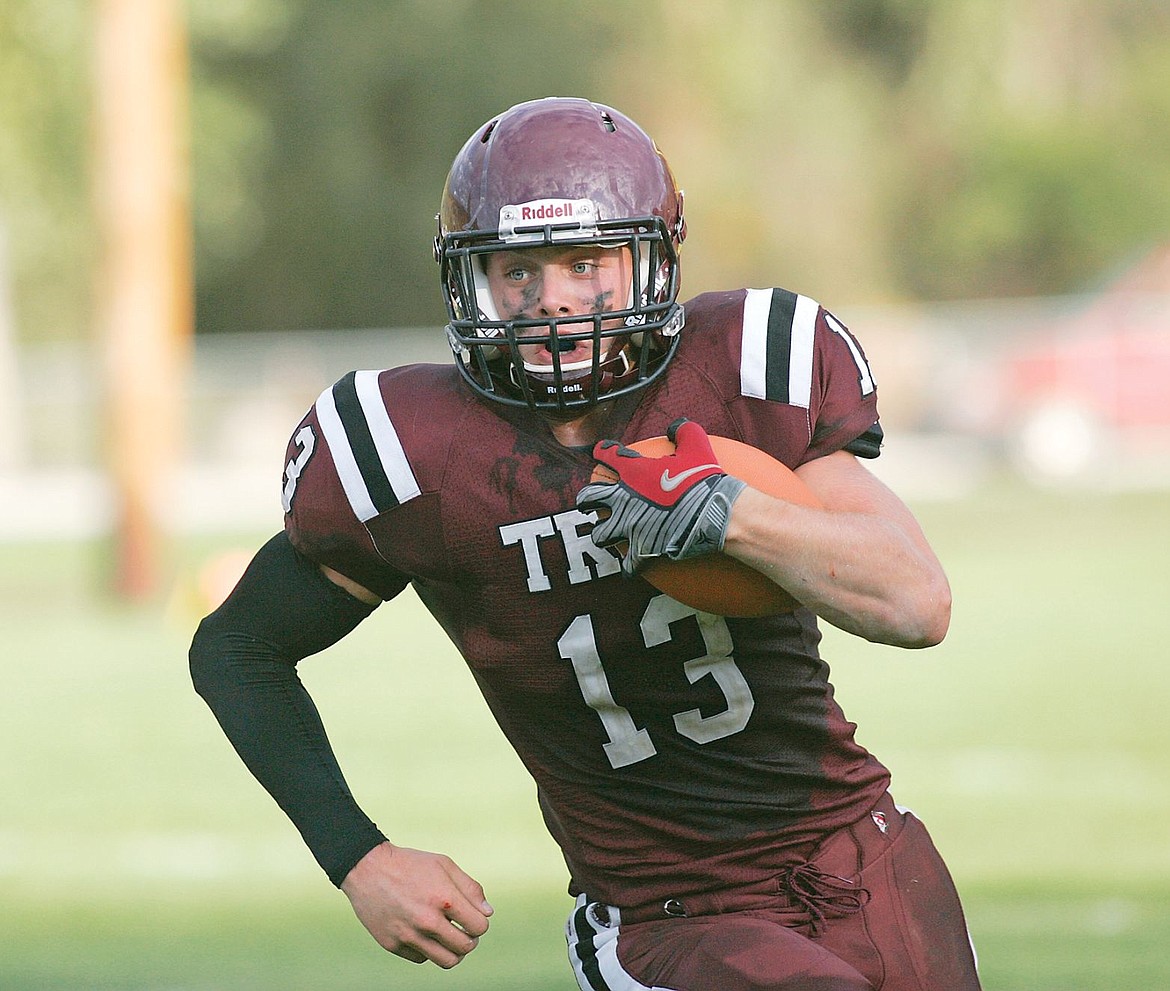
136 853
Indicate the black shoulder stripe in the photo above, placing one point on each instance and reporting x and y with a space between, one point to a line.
361 442
370 461
780 316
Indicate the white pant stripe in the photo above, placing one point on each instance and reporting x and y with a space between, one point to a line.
593 953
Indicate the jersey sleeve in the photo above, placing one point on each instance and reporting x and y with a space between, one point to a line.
794 353
844 414
341 471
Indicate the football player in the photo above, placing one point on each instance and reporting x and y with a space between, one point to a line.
721 827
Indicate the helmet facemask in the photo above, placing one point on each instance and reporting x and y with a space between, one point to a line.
630 345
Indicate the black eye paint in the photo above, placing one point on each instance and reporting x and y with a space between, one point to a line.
601 301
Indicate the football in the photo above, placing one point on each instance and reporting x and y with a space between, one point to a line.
716 583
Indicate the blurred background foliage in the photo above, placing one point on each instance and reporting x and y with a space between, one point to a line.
856 150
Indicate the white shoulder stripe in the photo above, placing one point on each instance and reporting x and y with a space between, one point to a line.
347 467
800 359
389 447
754 350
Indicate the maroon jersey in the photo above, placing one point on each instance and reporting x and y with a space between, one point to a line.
674 751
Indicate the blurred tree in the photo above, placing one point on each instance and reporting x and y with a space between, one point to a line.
44 179
857 150
867 149
1036 151
324 132
888 34
772 124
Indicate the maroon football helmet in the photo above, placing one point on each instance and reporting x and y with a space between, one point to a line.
561 172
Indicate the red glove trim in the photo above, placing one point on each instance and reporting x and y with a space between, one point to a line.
663 481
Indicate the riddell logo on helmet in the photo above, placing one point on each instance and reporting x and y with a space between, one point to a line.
552 210
537 213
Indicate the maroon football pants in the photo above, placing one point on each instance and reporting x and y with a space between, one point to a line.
901 930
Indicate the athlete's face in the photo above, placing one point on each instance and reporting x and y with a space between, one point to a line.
552 281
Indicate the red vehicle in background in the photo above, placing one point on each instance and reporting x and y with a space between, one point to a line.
1090 393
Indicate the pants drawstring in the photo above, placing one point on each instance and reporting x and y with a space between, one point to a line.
821 896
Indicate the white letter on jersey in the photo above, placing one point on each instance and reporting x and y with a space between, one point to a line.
578 547
527 533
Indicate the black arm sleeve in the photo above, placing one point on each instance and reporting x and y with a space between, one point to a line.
243 663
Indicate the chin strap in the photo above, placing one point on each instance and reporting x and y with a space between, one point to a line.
545 390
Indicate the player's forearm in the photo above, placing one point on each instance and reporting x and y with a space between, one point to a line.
861 572
273 725
243 663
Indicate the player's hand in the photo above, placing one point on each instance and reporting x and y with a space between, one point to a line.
419 906
678 505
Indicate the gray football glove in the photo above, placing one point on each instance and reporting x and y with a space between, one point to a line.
676 506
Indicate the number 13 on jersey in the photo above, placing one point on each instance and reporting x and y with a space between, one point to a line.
629 744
